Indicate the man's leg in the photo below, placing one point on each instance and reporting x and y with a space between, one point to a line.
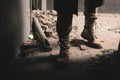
90 17
64 27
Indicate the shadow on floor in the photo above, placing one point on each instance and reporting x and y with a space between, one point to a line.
106 66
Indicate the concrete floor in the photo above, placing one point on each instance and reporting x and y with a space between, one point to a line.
84 64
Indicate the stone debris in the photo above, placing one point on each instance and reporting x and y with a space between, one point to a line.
116 29
47 20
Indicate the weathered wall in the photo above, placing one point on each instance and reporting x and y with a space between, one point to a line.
110 6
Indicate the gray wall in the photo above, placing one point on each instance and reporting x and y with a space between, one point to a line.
110 6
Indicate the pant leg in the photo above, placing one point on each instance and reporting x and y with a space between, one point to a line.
64 24
89 9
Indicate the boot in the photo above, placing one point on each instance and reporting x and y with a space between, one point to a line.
88 33
64 48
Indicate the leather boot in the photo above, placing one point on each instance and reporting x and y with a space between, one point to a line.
88 33
64 48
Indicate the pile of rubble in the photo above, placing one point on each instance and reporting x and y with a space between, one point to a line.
47 20
43 26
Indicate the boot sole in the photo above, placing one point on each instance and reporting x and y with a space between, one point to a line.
90 44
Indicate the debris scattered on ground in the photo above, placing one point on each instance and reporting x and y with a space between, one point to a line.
116 29
47 20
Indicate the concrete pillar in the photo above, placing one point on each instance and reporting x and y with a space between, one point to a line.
14 21
25 6
44 5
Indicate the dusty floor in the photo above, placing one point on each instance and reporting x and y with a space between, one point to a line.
87 63
107 29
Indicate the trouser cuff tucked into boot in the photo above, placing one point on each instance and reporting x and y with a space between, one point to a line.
64 47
